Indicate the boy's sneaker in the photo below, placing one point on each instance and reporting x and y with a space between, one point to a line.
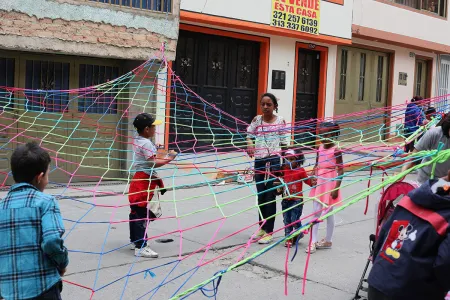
145 252
132 247
267 239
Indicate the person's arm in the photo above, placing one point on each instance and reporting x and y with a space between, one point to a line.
425 143
155 162
285 136
304 177
340 172
250 135
418 116
411 163
52 231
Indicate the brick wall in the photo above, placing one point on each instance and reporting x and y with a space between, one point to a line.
25 31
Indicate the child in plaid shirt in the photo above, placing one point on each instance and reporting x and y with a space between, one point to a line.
32 253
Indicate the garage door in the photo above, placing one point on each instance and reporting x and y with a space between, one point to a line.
362 78
224 72
81 129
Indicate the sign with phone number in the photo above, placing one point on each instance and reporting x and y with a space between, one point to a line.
298 15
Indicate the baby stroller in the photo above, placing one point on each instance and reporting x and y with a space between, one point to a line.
385 207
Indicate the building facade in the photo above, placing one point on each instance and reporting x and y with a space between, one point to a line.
298 67
411 34
367 54
49 45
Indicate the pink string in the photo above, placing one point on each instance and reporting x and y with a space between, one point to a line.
307 262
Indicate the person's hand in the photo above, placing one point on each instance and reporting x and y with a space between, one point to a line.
62 272
172 154
251 151
334 194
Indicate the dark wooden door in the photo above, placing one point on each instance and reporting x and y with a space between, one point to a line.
224 73
308 68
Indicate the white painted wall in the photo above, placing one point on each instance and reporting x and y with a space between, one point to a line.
282 57
385 17
335 20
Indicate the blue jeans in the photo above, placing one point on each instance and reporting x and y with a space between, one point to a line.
137 228
292 215
266 197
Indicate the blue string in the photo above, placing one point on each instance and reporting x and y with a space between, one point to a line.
215 288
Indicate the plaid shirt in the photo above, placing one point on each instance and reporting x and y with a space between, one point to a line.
31 244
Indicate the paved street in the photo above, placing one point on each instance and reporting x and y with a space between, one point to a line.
332 274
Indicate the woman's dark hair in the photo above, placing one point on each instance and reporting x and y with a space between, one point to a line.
273 98
416 98
28 161
445 125
332 126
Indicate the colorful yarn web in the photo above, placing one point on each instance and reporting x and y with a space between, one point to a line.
88 133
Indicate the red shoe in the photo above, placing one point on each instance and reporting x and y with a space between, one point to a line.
288 244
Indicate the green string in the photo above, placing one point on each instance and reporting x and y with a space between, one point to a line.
438 157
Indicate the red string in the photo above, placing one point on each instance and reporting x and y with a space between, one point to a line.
307 261
368 186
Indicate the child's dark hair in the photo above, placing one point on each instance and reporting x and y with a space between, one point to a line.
417 98
430 110
273 98
299 156
445 125
333 127
28 161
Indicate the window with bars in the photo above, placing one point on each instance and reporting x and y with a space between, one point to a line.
150 5
101 99
47 85
362 77
343 74
380 74
7 72
437 7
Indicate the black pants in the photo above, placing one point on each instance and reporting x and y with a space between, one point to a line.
266 198
375 294
137 228
409 147
54 293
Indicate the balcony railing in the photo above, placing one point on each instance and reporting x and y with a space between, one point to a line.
438 7
164 6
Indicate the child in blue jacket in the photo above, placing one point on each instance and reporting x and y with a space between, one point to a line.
414 118
412 254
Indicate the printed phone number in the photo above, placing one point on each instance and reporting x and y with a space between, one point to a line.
294 26
282 19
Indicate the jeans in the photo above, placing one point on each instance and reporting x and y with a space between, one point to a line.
137 228
292 215
266 197
54 293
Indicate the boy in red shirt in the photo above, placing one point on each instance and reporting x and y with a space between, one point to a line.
293 176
